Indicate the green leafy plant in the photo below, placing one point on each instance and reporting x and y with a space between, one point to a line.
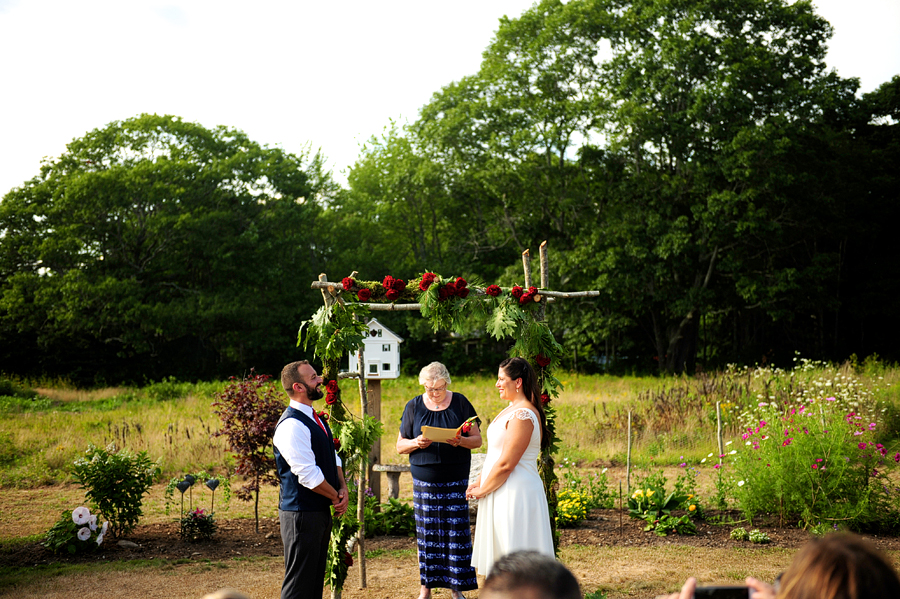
758 536
249 409
594 489
813 451
740 534
654 505
394 518
77 531
197 525
571 507
115 481
667 525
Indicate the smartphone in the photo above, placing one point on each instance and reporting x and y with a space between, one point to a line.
723 592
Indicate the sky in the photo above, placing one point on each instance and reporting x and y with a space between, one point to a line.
289 73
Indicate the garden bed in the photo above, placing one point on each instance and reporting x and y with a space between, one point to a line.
238 538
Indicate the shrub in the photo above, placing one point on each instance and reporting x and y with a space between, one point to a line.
116 481
594 489
758 536
740 534
77 531
571 508
12 388
197 525
652 504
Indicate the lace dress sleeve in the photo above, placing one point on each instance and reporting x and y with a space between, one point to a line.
526 414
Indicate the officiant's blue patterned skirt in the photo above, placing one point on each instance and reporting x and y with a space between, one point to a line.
443 535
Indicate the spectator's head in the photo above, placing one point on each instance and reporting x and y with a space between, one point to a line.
839 566
529 575
226 594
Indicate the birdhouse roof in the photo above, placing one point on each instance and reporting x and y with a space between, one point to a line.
386 333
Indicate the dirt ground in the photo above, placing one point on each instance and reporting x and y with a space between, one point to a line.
607 552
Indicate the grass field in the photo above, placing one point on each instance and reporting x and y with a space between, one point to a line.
673 419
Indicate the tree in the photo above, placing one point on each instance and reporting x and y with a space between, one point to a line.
156 246
250 409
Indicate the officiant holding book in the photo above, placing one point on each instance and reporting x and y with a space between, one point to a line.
440 472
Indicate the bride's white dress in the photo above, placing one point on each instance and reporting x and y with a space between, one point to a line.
514 517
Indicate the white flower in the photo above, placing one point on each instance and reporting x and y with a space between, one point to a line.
92 522
84 533
100 538
703 460
104 527
732 452
709 456
740 483
80 515
729 443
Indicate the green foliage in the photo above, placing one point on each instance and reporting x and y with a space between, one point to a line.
598 594
335 331
393 518
739 534
651 503
10 387
157 245
593 489
73 538
115 481
757 536
197 525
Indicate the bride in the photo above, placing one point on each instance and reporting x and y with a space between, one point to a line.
512 508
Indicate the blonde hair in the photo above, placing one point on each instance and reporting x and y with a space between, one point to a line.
434 372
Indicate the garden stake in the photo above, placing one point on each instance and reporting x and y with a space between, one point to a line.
620 507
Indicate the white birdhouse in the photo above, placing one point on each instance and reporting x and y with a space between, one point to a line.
382 352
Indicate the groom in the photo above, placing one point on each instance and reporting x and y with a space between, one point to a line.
312 482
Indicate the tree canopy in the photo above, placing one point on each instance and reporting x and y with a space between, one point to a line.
157 247
694 160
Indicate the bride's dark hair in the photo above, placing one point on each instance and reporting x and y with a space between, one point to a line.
519 368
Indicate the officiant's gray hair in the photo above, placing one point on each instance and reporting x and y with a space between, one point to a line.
434 372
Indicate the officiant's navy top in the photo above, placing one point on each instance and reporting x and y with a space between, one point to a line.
439 462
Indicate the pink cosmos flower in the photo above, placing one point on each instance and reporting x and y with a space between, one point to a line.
815 466
862 445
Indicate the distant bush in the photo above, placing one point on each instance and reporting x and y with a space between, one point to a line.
12 388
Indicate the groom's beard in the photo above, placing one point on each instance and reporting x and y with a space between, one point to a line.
313 394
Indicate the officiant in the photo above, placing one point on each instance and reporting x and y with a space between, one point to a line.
440 472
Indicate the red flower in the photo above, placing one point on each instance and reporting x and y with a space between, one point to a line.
545 399
463 293
331 386
348 559
542 360
466 427
337 443
461 283
331 398
492 290
516 292
323 415
392 294
398 285
427 280
443 294
347 282
451 289
364 295
528 296
388 282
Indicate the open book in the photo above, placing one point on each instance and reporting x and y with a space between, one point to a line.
441 435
